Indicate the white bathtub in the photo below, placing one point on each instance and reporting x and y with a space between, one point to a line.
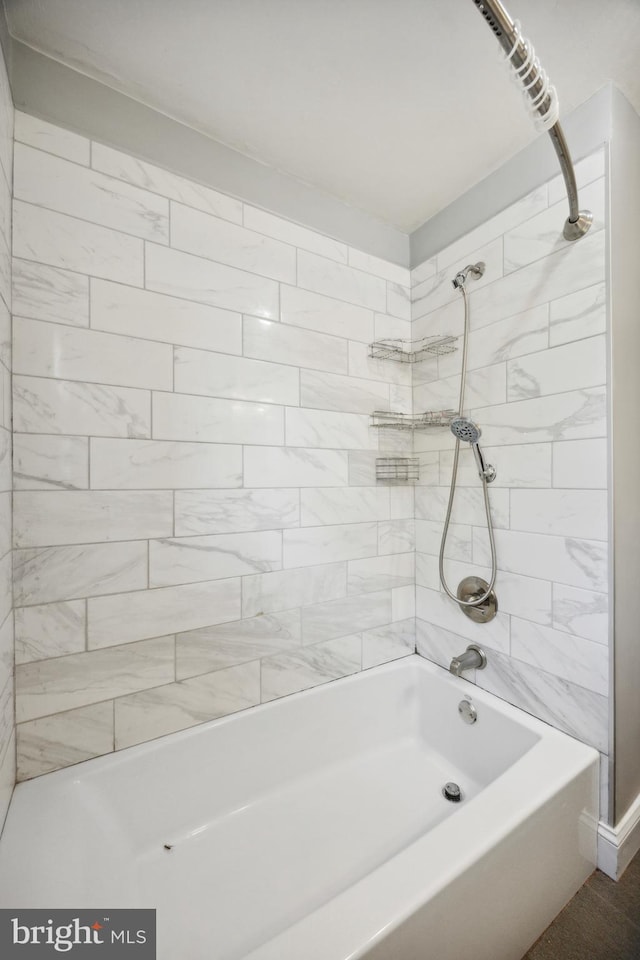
314 828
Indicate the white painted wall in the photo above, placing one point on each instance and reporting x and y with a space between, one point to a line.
7 739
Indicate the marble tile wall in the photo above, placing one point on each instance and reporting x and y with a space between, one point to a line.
7 721
537 387
197 523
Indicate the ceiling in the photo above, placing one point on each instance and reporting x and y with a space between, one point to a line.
395 107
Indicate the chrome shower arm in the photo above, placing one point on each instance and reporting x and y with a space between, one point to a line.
504 28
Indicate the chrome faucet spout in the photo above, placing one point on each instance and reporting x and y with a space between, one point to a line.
474 658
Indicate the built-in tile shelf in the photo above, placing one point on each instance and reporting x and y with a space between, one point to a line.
411 351
405 421
397 469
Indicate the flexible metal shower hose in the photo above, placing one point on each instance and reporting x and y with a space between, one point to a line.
476 602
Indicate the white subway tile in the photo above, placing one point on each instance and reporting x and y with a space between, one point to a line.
225 242
50 462
284 589
396 536
525 597
438 645
458 544
320 505
330 391
580 463
128 617
424 270
485 386
65 407
177 706
60 185
52 350
468 505
578 315
573 658
565 513
401 503
182 417
519 465
54 742
167 184
62 241
43 518
566 271
163 464
50 630
312 545
194 278
293 233
337 618
380 573
233 511
398 301
403 602
541 235
191 559
65 683
302 308
294 467
154 316
437 608
46 136
378 267
216 647
391 328
326 428
287 673
48 574
49 293
577 711
344 283
438 290
371 368
527 332
265 340
578 563
582 612
219 375
571 366
390 642
565 416
520 211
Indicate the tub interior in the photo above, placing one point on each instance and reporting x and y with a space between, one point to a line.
263 817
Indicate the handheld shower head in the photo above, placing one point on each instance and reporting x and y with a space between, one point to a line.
464 429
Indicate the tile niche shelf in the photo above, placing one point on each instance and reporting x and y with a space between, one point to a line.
417 421
411 351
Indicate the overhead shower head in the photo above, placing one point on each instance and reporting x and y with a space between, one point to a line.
465 429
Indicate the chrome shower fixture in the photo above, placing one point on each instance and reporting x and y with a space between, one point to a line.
476 269
527 71
467 430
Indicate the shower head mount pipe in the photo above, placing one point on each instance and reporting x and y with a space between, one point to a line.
475 269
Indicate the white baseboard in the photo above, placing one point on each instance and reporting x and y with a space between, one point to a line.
617 846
